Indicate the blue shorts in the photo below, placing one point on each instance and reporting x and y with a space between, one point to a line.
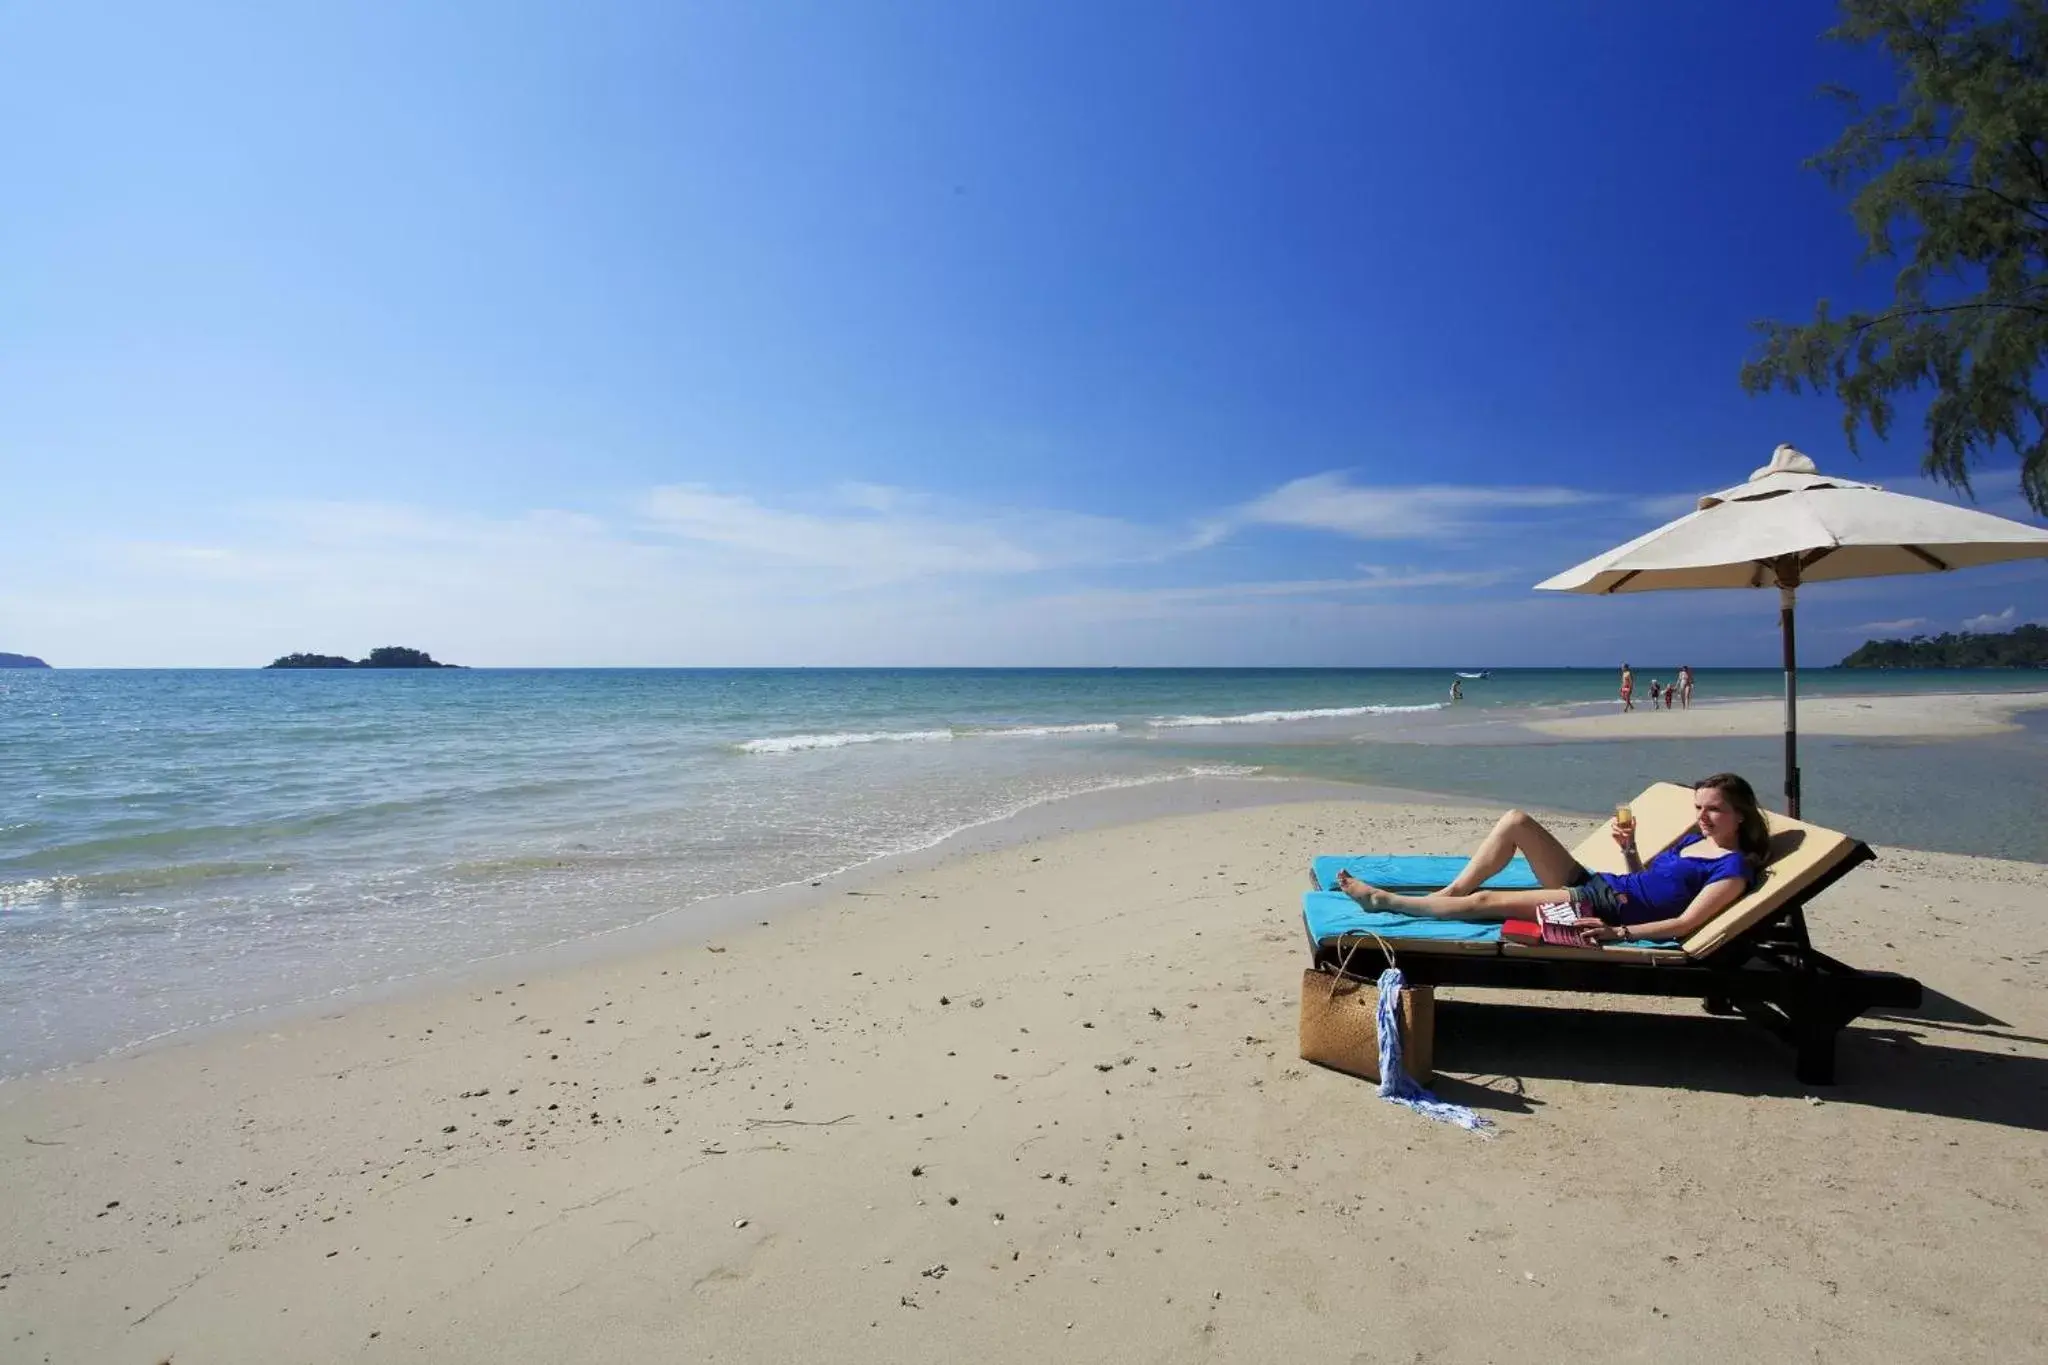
1596 897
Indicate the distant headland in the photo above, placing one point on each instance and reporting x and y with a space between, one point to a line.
389 656
2026 647
20 661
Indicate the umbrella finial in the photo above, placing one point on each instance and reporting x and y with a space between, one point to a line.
1785 460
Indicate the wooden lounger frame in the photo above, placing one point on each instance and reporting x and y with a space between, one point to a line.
1770 973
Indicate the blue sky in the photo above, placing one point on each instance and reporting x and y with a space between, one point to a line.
873 333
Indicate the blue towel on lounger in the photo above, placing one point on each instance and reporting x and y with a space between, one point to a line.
1415 871
1332 914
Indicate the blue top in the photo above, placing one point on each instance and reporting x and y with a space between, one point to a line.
1669 881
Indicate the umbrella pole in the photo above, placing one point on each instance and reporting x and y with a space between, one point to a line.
1786 597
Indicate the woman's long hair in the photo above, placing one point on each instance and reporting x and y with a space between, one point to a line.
1754 836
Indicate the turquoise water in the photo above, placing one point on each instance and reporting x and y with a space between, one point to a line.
176 847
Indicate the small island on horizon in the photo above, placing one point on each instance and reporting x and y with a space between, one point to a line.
2026 647
20 660
386 656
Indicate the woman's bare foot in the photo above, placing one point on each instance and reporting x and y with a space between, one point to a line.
1365 893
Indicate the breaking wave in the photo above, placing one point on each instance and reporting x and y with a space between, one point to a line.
791 744
1268 717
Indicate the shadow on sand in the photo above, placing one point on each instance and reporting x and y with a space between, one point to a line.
1902 1062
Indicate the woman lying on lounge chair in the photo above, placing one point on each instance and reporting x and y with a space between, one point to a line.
1674 894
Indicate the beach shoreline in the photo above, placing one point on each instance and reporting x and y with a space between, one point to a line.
1119 803
1084 1037
1950 716
396 829
699 921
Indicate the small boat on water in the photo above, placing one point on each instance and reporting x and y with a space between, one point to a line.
1485 674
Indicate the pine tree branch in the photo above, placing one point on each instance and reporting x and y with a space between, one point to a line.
2007 305
2017 205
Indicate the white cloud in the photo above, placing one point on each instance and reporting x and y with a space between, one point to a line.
1665 506
1330 502
1166 602
1991 622
853 574
872 497
1899 627
198 553
870 575
878 534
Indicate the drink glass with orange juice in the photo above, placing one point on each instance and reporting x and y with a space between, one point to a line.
1625 820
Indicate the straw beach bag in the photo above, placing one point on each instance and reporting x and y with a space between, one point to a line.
1340 1028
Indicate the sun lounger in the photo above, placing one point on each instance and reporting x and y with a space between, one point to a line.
1754 958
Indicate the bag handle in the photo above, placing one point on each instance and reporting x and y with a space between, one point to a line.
1343 972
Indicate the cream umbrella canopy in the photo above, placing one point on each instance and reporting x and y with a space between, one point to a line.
1788 525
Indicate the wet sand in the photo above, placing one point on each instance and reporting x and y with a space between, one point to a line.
1931 716
1044 1100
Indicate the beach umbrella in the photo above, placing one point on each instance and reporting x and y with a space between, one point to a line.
1789 525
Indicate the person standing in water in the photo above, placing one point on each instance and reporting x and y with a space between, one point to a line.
1457 689
1685 686
1628 688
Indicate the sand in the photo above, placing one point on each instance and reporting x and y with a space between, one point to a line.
1043 1103
1931 716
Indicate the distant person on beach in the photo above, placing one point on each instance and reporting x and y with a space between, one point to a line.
1670 695
1656 693
1628 688
1457 689
1669 897
1685 686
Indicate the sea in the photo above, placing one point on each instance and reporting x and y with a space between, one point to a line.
179 848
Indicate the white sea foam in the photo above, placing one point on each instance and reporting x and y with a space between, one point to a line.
1268 717
1104 727
35 889
790 744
